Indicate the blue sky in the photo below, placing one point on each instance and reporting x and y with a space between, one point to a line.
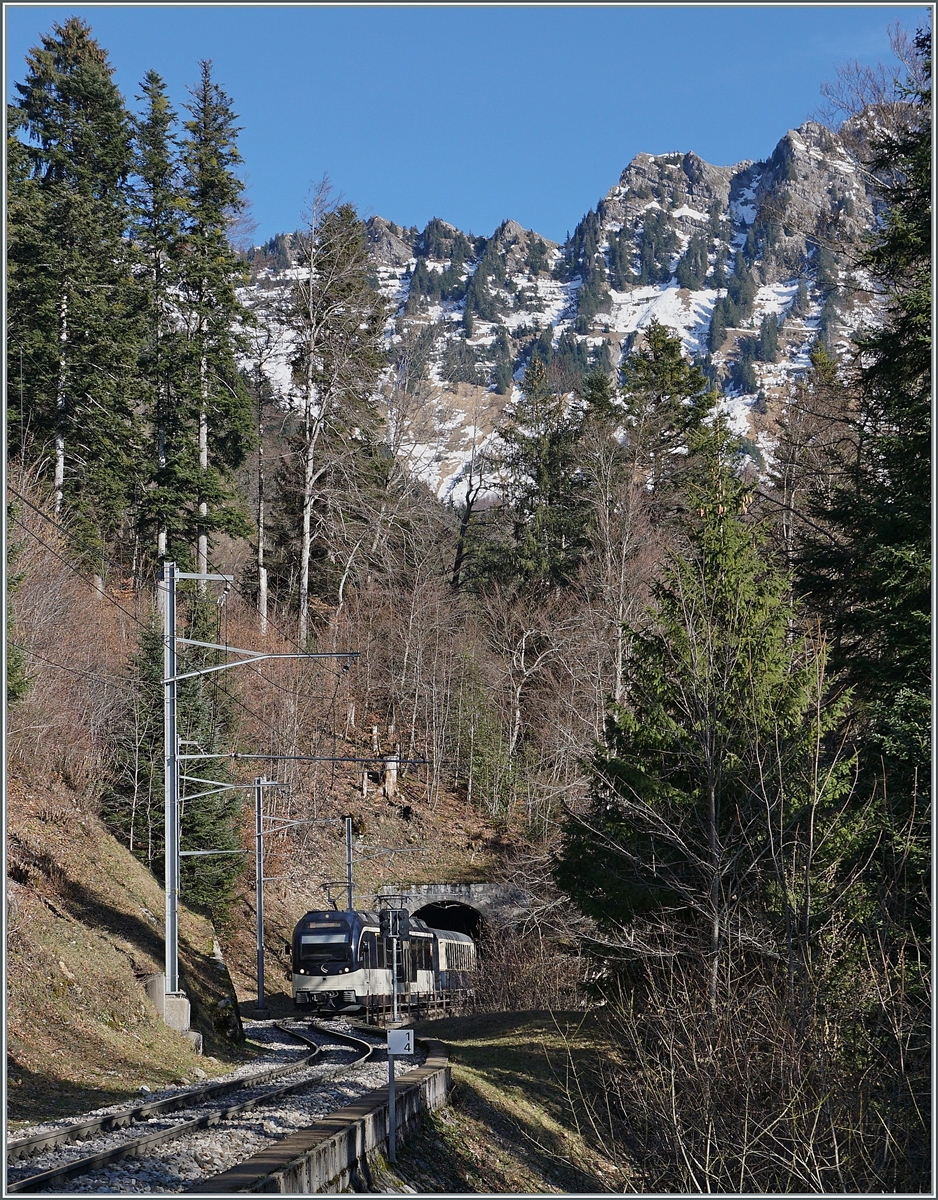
479 113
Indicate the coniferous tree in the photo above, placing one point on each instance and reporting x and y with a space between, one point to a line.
545 496
767 350
156 221
871 579
71 296
741 291
802 301
621 250
593 295
479 299
665 398
717 334
742 374
826 267
571 362
543 348
210 429
503 378
657 243
718 274
692 267
680 851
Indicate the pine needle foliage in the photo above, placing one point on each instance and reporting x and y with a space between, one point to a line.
71 295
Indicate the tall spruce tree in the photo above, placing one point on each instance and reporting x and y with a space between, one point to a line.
71 296
545 488
210 427
870 576
706 776
156 221
665 398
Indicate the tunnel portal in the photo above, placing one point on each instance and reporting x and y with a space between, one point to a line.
471 908
453 915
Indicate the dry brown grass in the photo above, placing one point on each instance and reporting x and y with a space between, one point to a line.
84 930
517 1122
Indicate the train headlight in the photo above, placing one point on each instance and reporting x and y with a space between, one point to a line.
302 972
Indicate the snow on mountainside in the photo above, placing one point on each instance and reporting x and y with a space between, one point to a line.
749 264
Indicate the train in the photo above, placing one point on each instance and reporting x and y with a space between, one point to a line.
341 963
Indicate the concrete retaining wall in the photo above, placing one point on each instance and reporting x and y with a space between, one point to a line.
332 1155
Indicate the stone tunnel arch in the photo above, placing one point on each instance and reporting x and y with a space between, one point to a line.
462 907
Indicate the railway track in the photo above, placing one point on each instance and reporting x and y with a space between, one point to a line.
176 1118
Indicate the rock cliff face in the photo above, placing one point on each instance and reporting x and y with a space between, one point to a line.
664 243
387 246
808 192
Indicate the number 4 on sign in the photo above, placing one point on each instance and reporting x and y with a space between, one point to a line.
400 1041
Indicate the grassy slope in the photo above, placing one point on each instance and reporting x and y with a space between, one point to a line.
517 1121
84 930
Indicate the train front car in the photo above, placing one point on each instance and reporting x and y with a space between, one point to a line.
328 973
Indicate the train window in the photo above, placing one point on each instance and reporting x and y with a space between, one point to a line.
321 947
369 950
456 956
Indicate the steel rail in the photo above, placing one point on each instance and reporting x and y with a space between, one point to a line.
130 1149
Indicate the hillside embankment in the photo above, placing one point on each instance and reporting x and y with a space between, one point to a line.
85 930
526 1113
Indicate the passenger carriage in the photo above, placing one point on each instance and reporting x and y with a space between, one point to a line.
342 964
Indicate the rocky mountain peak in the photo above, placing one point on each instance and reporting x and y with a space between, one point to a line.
386 242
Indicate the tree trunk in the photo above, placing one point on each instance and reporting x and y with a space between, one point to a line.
203 463
715 921
306 531
471 494
61 405
261 569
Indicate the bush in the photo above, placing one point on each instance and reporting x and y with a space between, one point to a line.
766 1095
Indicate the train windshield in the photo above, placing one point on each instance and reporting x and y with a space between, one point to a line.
322 942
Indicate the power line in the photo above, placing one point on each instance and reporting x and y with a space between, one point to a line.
66 563
79 671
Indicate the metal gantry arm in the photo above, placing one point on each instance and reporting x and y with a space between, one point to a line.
250 656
